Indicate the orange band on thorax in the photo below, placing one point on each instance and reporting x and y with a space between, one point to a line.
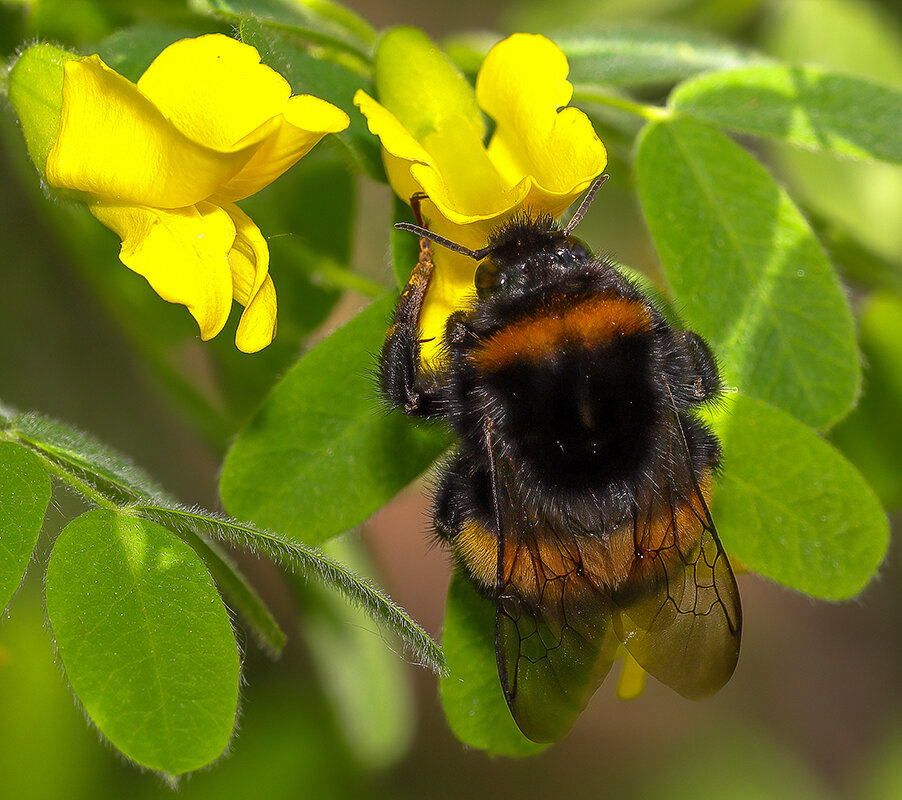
580 323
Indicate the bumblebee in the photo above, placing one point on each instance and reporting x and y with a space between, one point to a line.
577 497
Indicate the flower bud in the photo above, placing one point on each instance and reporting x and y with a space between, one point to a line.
419 85
36 93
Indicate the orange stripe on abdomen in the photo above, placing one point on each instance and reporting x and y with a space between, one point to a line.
599 563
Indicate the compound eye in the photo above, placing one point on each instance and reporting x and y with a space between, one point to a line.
488 277
578 247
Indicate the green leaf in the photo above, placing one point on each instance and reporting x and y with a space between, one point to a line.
789 506
471 692
242 595
362 677
747 272
326 79
862 39
869 436
810 107
321 455
305 561
300 18
24 496
145 640
637 55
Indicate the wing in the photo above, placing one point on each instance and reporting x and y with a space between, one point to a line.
678 610
554 641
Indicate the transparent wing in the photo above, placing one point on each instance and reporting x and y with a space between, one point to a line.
678 611
553 636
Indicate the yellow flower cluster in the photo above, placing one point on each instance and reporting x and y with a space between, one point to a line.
541 156
162 161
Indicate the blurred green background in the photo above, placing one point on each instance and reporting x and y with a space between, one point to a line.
815 707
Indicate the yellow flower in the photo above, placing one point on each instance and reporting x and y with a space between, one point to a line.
540 158
163 161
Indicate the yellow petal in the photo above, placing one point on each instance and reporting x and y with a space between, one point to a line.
399 178
540 160
393 135
183 253
116 145
251 284
215 90
257 327
452 286
461 179
399 149
451 289
522 84
306 119
451 165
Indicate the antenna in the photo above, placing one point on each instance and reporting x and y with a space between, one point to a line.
584 206
425 233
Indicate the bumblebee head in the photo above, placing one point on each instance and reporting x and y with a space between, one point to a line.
523 254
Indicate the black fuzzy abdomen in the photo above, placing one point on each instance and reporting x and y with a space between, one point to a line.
579 416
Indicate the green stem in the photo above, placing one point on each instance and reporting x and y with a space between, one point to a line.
315 37
306 561
193 525
592 94
65 467
74 482
70 464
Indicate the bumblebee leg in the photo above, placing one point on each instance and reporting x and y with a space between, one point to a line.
462 514
700 380
450 504
404 384
464 494
702 444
